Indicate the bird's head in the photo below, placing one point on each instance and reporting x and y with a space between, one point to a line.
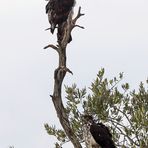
88 119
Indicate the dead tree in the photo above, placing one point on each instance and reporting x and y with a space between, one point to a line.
59 75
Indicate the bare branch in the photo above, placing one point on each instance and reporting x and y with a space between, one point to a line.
49 28
59 75
79 26
68 70
78 15
51 46
69 25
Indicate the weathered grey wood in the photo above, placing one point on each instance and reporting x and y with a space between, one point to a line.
59 75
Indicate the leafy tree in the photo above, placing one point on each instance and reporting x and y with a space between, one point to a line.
125 112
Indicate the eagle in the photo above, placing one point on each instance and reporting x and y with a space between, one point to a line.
100 134
58 12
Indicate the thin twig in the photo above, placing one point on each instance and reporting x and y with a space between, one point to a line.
51 46
49 28
79 26
68 70
125 135
129 123
78 15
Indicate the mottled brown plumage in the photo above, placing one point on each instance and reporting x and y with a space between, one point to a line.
58 11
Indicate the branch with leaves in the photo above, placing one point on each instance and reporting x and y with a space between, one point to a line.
124 111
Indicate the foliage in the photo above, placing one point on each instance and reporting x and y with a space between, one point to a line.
125 112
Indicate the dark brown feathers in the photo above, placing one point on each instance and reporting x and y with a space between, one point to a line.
58 11
102 135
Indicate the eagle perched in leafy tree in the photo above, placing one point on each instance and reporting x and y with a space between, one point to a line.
58 12
100 134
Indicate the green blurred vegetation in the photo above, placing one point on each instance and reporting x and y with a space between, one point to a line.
124 111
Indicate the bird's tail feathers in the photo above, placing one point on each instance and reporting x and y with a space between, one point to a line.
52 28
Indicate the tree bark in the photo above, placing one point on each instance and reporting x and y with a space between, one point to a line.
59 75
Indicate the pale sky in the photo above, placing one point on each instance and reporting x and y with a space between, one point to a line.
115 38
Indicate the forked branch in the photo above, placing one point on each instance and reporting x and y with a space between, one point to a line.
78 15
51 46
59 75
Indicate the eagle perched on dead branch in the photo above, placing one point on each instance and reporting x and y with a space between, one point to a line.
58 12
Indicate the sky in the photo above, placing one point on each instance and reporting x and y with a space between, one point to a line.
115 38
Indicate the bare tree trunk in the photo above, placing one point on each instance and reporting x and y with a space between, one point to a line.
59 75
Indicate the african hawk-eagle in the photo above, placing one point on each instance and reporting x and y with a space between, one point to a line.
58 12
